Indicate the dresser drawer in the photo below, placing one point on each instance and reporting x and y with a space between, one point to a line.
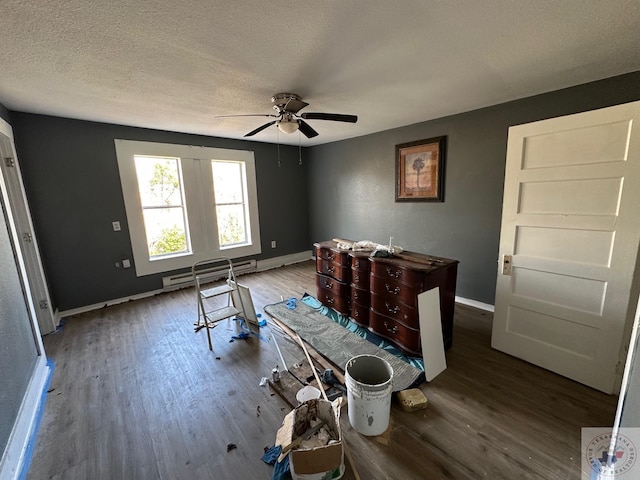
393 290
360 314
391 307
405 338
332 285
331 299
333 255
397 270
360 269
359 279
329 267
360 296
360 261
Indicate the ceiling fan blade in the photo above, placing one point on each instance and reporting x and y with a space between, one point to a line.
288 102
306 129
294 105
259 129
336 117
248 115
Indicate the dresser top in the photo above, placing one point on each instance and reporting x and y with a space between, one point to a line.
414 260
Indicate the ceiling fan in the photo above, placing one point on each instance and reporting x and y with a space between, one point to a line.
287 106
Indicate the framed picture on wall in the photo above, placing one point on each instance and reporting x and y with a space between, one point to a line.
420 170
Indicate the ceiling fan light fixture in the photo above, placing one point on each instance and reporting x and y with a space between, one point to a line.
287 125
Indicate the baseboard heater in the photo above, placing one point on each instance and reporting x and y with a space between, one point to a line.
186 279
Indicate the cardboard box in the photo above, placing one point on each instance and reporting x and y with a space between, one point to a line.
319 463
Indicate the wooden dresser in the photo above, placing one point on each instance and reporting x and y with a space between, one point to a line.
381 293
333 276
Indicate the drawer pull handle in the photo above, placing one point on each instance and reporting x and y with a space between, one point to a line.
329 299
393 274
328 284
356 314
356 279
330 256
331 269
357 263
395 290
394 309
355 296
393 329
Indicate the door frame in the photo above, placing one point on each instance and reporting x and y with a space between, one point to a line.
38 287
14 459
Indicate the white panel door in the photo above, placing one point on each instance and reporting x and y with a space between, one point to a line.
571 226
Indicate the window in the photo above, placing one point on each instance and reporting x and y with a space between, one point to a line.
228 185
162 202
186 204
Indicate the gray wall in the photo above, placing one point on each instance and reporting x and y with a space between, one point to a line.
345 188
73 187
352 182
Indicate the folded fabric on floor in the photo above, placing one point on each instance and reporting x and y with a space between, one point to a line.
338 344
282 469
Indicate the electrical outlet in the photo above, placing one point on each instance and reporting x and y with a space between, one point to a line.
273 244
116 226
126 263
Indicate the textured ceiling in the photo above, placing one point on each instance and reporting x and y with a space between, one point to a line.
176 65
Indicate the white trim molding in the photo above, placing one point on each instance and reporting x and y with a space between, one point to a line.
197 184
26 426
476 304
262 265
283 260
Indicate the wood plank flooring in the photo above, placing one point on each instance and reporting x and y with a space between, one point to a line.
136 394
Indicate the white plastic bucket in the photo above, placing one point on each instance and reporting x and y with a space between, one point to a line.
369 382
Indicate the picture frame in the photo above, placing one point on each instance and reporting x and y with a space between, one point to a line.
420 170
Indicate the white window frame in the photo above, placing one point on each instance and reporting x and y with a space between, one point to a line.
244 203
197 183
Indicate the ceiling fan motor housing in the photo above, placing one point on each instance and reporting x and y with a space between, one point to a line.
287 102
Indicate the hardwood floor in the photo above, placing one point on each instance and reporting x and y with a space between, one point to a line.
136 394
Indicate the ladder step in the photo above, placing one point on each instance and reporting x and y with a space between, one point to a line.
222 313
212 292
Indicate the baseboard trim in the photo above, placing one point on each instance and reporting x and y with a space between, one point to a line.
109 303
57 318
17 455
276 262
262 265
476 304
33 436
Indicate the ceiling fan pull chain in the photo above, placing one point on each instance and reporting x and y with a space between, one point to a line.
299 148
278 141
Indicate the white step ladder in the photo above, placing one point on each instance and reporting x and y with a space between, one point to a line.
235 304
